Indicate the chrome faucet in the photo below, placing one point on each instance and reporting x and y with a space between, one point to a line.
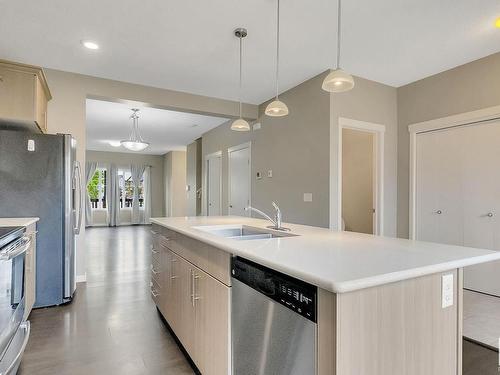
277 216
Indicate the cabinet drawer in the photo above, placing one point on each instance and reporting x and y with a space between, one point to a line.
155 291
155 253
157 274
211 260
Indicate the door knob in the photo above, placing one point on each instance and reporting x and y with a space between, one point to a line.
439 212
490 214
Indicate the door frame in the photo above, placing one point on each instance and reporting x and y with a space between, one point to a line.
463 119
378 131
213 155
232 149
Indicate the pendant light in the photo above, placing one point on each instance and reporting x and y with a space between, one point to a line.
135 141
338 80
240 124
277 108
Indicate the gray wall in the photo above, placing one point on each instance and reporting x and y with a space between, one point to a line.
123 159
469 87
297 148
193 177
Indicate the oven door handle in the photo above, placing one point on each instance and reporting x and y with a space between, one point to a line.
9 255
26 326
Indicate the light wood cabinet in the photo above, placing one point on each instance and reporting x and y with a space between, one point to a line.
194 303
24 94
30 272
212 343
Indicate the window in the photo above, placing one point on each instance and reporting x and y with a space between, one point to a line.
127 189
97 189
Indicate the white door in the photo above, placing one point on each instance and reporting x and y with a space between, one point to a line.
239 180
440 214
482 202
214 173
458 194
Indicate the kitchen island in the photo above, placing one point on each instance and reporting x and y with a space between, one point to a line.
384 305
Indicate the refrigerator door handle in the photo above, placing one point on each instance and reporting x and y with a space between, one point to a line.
79 190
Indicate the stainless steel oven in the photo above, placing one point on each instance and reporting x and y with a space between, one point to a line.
14 332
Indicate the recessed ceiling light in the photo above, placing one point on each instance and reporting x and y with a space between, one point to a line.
115 143
90 44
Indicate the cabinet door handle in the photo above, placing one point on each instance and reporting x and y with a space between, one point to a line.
194 277
154 293
154 271
172 262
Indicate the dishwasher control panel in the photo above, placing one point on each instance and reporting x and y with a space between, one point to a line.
292 293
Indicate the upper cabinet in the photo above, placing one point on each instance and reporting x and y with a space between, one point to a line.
23 95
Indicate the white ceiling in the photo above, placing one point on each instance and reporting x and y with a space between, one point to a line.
164 130
188 45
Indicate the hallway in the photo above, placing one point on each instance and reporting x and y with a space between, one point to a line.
112 326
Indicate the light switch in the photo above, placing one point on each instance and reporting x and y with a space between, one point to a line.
447 291
31 145
270 173
308 197
258 175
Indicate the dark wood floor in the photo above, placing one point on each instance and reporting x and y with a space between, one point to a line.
112 326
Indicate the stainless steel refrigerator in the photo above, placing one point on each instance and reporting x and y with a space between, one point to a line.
40 177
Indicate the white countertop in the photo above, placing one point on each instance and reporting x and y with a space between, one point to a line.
336 261
17 221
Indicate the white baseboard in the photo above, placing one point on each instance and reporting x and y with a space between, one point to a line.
81 278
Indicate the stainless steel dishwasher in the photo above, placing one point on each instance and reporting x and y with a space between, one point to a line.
273 322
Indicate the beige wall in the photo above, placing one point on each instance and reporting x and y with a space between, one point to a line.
66 112
466 88
122 159
357 180
297 149
376 103
193 177
175 183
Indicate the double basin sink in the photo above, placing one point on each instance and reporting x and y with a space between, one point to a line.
243 232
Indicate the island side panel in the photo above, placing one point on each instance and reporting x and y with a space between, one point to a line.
399 328
327 312
460 322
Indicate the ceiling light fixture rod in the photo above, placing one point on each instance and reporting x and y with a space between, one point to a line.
339 31
241 69
277 48
240 124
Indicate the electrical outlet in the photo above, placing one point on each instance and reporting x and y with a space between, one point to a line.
447 291
270 173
